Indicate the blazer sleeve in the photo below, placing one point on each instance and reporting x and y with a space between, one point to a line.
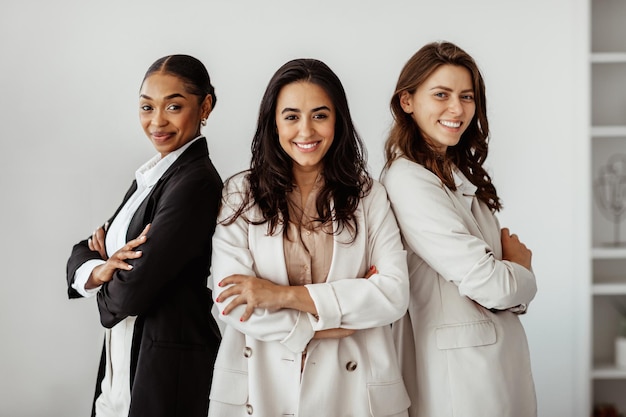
178 241
434 230
81 252
232 255
350 303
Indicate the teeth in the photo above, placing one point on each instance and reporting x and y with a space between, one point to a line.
450 124
306 145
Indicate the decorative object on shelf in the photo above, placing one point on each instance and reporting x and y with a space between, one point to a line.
605 410
620 339
610 192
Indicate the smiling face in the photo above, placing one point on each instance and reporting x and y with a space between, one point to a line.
442 106
169 115
305 120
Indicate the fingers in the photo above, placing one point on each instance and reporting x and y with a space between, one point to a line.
96 243
145 230
373 270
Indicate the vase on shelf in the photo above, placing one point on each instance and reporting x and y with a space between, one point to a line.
610 193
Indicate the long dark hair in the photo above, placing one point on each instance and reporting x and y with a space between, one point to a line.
270 176
405 138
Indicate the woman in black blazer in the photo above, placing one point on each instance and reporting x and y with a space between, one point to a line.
148 265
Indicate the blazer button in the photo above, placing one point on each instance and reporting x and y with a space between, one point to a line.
249 409
351 366
247 352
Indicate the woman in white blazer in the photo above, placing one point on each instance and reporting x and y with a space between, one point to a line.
308 265
462 348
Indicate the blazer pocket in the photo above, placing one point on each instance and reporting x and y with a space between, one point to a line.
387 398
480 333
229 386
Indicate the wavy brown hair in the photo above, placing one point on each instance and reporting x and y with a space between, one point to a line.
270 176
406 140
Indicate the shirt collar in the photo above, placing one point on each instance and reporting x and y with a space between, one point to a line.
149 173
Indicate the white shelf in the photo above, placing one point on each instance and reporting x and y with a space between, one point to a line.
608 253
608 131
608 371
608 58
609 289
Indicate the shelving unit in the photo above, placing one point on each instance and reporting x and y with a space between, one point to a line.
607 60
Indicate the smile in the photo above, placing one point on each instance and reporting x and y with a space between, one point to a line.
306 146
447 123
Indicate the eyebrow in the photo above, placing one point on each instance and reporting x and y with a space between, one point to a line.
171 96
441 87
291 109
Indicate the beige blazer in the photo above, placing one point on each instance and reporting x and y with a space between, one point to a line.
462 348
258 368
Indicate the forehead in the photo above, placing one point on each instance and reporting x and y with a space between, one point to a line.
303 93
159 84
451 76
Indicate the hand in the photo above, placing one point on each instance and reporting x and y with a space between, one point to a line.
515 251
104 273
254 292
338 333
96 241
371 271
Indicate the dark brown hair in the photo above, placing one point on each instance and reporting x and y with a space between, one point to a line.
190 70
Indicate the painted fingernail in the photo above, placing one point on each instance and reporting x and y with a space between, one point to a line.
219 284
223 312
130 267
217 300
138 252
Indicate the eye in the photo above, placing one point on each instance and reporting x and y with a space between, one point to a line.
441 94
467 97
174 107
320 116
291 117
145 107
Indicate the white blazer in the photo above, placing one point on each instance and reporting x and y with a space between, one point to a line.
258 368
462 348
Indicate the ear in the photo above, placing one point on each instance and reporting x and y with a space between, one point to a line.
207 106
405 102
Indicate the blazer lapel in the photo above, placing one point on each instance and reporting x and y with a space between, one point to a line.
268 253
145 211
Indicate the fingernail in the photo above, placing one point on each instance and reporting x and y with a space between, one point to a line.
217 300
240 318
372 268
219 284
138 252
130 267
223 312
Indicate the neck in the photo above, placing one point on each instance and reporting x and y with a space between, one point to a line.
305 179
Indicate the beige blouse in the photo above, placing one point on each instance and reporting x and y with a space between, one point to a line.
308 246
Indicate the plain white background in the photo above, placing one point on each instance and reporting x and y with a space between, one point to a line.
70 142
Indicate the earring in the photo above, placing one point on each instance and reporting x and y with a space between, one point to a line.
203 122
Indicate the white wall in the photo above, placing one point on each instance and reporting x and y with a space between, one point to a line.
70 142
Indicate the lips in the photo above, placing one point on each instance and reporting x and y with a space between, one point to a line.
161 136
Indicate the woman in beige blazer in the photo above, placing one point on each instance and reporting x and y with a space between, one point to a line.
306 318
462 348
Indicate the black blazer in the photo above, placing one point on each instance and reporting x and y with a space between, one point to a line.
175 337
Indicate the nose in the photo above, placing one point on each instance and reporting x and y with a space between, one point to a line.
455 106
158 118
306 128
